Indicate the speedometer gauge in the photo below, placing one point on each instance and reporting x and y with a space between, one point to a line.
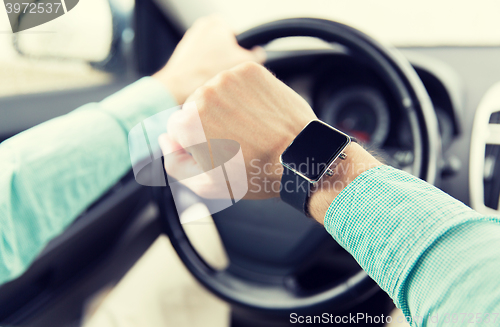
360 111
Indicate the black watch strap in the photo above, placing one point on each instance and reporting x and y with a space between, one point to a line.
294 190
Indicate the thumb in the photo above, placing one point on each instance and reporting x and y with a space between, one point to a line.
178 162
167 144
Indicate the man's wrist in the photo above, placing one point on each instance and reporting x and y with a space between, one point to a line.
323 193
172 86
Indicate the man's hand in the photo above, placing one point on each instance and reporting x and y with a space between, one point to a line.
249 105
208 48
246 104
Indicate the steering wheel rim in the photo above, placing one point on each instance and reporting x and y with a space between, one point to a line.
411 96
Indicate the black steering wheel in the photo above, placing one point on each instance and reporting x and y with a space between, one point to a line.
256 291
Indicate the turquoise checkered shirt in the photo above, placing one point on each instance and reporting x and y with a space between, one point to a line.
437 258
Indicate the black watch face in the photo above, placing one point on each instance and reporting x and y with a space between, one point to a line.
314 149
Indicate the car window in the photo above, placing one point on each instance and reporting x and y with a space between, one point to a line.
42 70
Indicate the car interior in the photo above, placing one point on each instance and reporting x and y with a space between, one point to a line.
431 109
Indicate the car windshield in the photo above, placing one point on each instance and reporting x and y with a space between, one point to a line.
398 22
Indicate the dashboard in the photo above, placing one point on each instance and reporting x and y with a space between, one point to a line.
350 96
457 80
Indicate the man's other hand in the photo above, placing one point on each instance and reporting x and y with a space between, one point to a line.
208 48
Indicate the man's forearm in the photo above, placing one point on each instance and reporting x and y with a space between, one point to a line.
52 172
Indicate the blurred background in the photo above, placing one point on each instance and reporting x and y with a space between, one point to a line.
102 45
56 54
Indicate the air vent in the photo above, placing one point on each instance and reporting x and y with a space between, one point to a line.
495 118
484 167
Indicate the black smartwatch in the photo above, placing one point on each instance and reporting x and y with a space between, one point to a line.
307 159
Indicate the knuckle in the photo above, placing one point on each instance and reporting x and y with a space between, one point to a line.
207 93
225 78
250 68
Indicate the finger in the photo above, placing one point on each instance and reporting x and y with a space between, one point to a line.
178 162
180 165
185 127
259 54
167 144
